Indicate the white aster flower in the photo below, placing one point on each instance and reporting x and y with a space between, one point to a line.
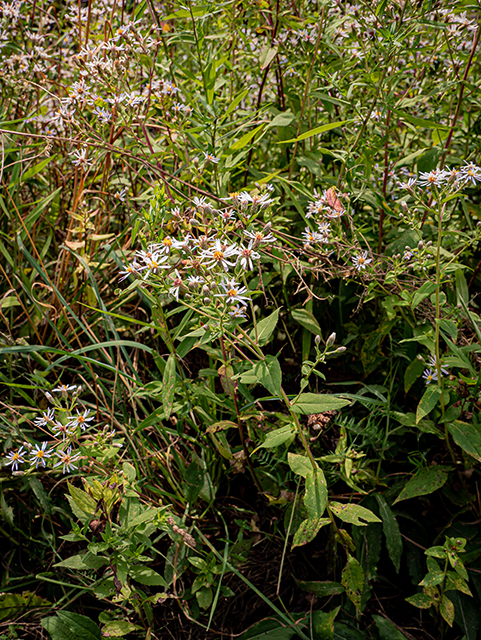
247 255
218 254
81 419
361 260
233 293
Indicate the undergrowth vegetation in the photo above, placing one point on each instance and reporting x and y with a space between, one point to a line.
239 319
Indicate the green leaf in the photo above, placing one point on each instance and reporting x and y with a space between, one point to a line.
82 561
307 320
391 530
204 597
387 630
13 605
412 373
316 131
321 589
269 630
247 137
454 582
265 328
146 575
118 628
30 173
82 500
315 497
423 483
71 626
308 530
300 465
462 291
420 600
194 479
269 374
466 436
323 624
446 609
353 581
168 388
267 55
129 471
428 402
309 403
432 579
423 292
353 513
278 437
419 122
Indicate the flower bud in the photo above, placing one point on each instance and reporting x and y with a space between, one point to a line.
206 301
340 349
420 244
331 340
317 339
205 289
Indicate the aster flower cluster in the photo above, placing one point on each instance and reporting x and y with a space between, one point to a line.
469 174
207 262
64 423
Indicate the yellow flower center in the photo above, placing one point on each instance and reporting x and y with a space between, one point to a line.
218 255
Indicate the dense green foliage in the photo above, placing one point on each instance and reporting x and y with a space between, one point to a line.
239 323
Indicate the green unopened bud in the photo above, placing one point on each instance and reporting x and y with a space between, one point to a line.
317 339
340 349
331 340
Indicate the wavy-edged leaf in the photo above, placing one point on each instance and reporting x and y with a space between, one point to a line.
353 513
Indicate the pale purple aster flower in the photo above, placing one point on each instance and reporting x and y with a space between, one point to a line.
16 457
67 460
237 312
39 454
430 375
433 364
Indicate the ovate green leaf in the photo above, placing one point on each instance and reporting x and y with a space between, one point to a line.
309 403
265 328
423 483
468 437
269 374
